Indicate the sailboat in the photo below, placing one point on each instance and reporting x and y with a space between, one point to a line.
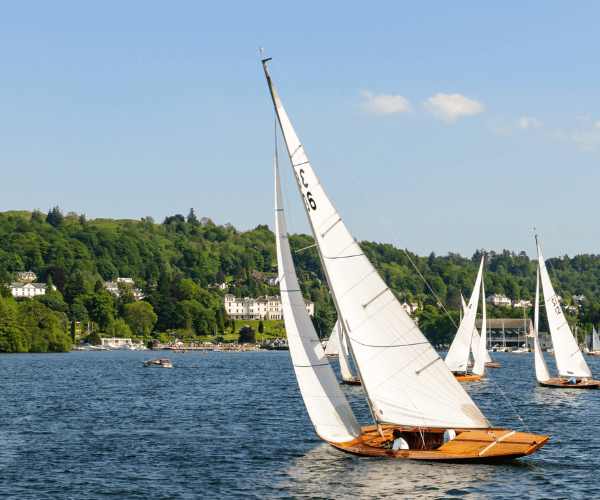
475 339
333 344
457 358
573 372
347 376
595 351
407 386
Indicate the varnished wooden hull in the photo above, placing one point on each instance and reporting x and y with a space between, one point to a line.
469 446
492 365
469 377
593 353
351 381
563 383
332 356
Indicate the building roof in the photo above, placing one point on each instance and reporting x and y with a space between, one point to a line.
15 284
509 323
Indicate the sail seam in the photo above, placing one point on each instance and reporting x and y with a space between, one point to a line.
386 346
331 227
375 298
303 163
344 256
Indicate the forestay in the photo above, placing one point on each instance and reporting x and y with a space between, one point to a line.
458 354
541 369
405 380
569 359
327 407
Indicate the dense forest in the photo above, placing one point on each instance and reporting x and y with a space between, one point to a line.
175 261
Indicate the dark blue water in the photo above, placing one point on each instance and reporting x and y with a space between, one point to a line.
226 425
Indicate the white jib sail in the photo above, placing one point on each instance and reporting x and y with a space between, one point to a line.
405 380
327 407
344 363
475 338
458 354
569 359
333 344
541 369
479 355
595 340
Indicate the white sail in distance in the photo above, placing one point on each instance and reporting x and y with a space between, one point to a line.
458 354
327 407
333 344
568 357
595 340
405 380
344 363
541 369
476 337
479 354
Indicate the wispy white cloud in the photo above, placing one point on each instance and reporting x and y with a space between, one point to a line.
524 122
386 104
450 106
500 124
583 118
589 140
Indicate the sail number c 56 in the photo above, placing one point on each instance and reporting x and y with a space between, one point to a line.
309 201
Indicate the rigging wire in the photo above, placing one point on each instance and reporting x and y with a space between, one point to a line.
370 201
389 229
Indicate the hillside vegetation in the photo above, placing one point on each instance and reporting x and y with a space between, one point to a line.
174 262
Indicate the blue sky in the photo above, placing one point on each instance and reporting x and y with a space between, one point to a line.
466 123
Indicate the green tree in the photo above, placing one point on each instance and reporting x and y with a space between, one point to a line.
55 217
11 333
261 327
140 317
100 307
118 328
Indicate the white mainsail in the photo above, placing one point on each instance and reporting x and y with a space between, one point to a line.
476 337
595 340
327 407
569 359
458 354
541 369
405 380
333 344
479 355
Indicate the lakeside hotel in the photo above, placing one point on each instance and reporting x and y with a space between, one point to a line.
265 307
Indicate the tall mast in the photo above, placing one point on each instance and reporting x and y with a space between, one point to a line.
275 98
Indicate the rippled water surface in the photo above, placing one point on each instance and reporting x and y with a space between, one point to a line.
227 425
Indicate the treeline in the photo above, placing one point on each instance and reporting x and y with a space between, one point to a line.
174 262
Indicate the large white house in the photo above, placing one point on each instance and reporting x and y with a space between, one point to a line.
499 300
266 307
27 289
26 276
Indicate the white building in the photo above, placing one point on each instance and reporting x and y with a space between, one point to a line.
113 287
266 307
27 289
411 307
521 303
498 300
26 276
116 341
579 298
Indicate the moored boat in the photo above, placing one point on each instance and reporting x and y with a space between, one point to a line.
158 363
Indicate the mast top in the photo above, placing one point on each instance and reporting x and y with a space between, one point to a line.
265 60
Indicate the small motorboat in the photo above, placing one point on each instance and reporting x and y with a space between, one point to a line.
158 363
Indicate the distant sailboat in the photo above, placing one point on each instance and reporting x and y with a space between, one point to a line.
475 339
457 358
333 344
573 372
595 351
407 386
347 376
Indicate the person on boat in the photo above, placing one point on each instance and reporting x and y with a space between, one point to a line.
399 441
449 435
572 380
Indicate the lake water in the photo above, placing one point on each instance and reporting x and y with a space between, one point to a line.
226 425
